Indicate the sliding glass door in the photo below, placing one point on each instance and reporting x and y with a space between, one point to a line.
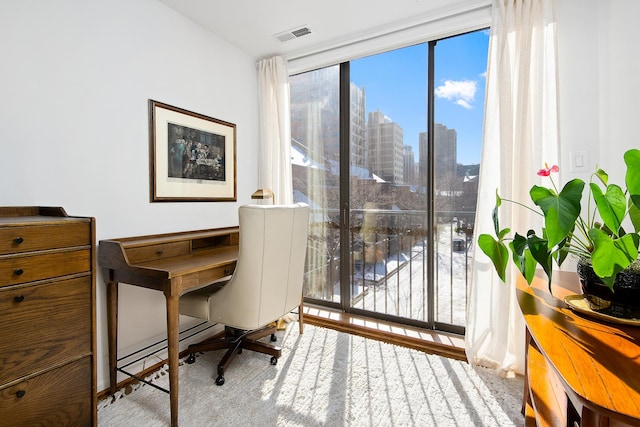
315 158
388 203
386 149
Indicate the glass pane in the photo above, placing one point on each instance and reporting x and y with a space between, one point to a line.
388 202
460 66
315 151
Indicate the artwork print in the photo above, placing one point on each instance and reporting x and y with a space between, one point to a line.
192 157
195 154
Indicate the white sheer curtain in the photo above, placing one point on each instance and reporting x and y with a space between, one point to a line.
520 135
274 161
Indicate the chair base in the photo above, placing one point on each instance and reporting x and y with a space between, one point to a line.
235 340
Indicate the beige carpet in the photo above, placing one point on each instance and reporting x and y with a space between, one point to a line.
327 378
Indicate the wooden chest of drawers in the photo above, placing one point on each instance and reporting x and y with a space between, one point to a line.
47 318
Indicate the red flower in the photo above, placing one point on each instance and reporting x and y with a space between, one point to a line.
547 170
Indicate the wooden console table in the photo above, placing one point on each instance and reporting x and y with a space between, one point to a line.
579 371
173 264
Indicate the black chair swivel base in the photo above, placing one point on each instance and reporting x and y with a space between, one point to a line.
235 340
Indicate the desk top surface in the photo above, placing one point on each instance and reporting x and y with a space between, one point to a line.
197 261
598 362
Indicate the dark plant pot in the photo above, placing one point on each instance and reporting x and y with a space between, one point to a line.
623 302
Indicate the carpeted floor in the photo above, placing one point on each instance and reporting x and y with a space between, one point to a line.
327 378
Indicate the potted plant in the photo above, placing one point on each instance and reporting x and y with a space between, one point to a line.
598 238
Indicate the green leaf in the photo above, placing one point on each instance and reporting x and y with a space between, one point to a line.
497 252
496 224
522 257
632 177
611 205
503 233
602 176
634 214
611 255
498 199
560 210
541 253
561 254
530 266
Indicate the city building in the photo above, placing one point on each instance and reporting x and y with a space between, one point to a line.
384 147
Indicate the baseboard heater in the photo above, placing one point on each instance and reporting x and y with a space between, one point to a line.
157 347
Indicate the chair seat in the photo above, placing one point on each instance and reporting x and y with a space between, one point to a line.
196 303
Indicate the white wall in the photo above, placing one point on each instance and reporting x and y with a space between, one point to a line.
619 82
599 65
75 79
599 62
578 35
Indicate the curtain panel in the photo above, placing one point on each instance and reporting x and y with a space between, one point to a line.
520 135
274 160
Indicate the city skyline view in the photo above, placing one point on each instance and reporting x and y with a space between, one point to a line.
395 83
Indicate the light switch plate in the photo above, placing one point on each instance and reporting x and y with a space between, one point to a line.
579 161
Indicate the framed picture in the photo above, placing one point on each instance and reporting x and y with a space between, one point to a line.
192 156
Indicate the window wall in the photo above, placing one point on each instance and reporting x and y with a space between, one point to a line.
386 151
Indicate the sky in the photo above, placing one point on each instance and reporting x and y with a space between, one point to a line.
396 84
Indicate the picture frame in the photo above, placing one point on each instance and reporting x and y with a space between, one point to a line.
192 157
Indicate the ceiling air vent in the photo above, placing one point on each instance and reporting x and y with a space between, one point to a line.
292 34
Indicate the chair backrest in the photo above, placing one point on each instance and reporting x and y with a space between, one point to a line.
267 281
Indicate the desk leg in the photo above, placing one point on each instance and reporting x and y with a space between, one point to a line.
112 327
173 330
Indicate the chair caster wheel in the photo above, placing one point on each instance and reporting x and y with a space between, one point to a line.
220 380
274 360
274 338
191 359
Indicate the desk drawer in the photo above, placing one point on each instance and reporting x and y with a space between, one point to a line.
40 237
38 266
43 325
60 397
208 276
154 252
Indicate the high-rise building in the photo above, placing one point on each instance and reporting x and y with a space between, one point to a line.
445 154
357 134
409 165
446 142
384 148
423 151
315 116
315 113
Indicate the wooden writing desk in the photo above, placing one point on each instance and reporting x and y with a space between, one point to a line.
578 369
171 263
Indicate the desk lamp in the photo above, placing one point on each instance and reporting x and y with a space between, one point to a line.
263 195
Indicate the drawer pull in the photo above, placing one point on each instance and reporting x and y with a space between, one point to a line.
160 252
227 271
18 240
19 298
18 272
20 394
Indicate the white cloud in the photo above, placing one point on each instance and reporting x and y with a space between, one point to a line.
454 90
461 92
464 104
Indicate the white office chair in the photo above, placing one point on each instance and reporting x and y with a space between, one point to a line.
266 284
